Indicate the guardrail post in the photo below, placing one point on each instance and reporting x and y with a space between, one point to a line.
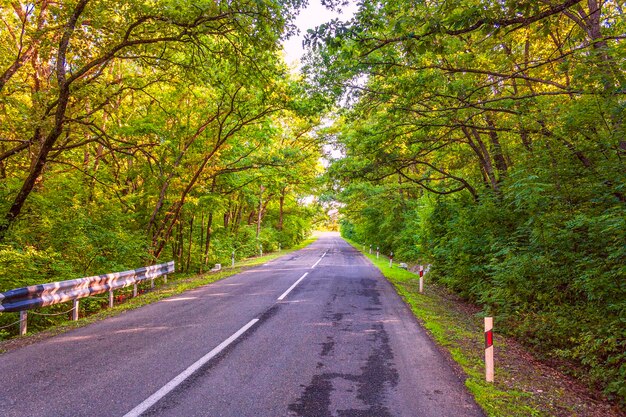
23 322
75 310
20 299
489 367
152 283
165 279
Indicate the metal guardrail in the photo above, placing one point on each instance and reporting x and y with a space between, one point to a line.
41 295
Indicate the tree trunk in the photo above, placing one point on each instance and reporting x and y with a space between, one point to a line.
208 238
484 159
258 222
281 211
496 149
57 129
201 240
190 243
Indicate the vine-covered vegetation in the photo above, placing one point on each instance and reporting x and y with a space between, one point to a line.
137 132
485 137
488 138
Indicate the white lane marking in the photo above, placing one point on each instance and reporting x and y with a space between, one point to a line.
292 287
315 264
319 260
154 398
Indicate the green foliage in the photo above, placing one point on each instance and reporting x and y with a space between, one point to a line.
482 140
173 131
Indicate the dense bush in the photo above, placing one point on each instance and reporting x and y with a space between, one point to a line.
552 274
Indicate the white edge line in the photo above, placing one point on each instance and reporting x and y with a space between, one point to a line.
318 261
167 388
292 287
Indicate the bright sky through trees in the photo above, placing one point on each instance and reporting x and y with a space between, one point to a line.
314 15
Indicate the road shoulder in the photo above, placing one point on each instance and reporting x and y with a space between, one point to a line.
176 285
524 385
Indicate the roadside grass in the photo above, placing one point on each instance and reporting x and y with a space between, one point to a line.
458 329
177 283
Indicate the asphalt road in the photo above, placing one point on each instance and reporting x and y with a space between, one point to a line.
339 343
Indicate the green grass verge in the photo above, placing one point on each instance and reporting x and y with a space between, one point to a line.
176 284
459 332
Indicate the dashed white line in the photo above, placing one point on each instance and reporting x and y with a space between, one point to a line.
167 388
319 260
292 287
315 264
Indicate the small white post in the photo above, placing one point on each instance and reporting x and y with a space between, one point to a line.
110 298
232 259
391 260
261 249
489 366
75 310
135 290
377 252
165 279
279 247
370 249
152 283
23 322
421 278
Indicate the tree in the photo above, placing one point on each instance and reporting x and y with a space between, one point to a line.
83 40
508 117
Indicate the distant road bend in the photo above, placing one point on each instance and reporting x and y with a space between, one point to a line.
318 332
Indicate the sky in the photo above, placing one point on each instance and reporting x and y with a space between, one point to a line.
314 15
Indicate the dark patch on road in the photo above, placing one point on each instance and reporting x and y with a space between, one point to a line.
371 412
377 376
369 290
327 347
266 315
315 401
378 370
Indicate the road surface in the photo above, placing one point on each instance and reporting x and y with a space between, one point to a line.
318 332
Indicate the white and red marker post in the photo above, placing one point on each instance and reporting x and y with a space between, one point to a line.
421 278
489 367
391 260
